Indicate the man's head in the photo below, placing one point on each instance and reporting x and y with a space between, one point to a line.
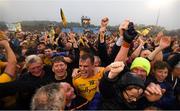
48 52
97 61
49 97
41 46
69 92
59 66
140 67
34 65
54 96
130 87
86 65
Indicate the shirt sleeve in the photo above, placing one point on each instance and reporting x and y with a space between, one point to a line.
5 78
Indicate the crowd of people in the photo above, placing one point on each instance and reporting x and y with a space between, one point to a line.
87 71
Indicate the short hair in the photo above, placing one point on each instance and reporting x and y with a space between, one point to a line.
86 50
32 59
49 97
160 65
86 56
58 59
41 43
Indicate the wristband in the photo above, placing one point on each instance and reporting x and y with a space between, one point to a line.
125 44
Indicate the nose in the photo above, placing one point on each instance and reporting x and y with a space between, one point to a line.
82 68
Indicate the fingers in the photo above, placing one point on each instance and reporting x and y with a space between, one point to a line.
163 91
117 64
75 73
147 93
105 19
153 89
124 24
116 67
104 22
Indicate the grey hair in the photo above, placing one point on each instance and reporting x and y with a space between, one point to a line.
32 59
49 97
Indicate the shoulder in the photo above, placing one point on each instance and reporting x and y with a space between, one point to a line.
5 78
99 70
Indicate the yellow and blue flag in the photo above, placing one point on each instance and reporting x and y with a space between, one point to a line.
63 18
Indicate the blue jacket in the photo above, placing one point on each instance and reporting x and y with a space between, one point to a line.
168 98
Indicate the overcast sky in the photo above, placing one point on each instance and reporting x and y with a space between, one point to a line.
138 11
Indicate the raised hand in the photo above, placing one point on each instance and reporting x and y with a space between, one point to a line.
71 37
76 73
140 41
130 33
104 22
154 92
102 31
115 69
165 42
123 26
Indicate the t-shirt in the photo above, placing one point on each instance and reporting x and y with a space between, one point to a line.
2 65
5 78
87 87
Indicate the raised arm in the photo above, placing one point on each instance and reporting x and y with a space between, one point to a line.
10 68
129 34
164 42
137 51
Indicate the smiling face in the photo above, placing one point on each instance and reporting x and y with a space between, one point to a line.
59 68
36 69
161 74
86 67
160 70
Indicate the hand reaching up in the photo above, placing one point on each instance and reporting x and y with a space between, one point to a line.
104 22
115 69
123 26
165 42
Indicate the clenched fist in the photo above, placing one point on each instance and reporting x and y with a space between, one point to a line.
104 22
115 69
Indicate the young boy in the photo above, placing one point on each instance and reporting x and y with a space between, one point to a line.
160 73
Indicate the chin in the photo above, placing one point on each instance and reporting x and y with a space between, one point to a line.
37 74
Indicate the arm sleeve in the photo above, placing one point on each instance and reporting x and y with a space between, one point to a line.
5 78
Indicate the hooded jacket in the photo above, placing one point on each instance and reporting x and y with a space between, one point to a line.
111 91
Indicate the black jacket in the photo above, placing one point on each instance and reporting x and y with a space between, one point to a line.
25 87
111 91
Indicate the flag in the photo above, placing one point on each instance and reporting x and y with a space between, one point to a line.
144 32
18 27
63 18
